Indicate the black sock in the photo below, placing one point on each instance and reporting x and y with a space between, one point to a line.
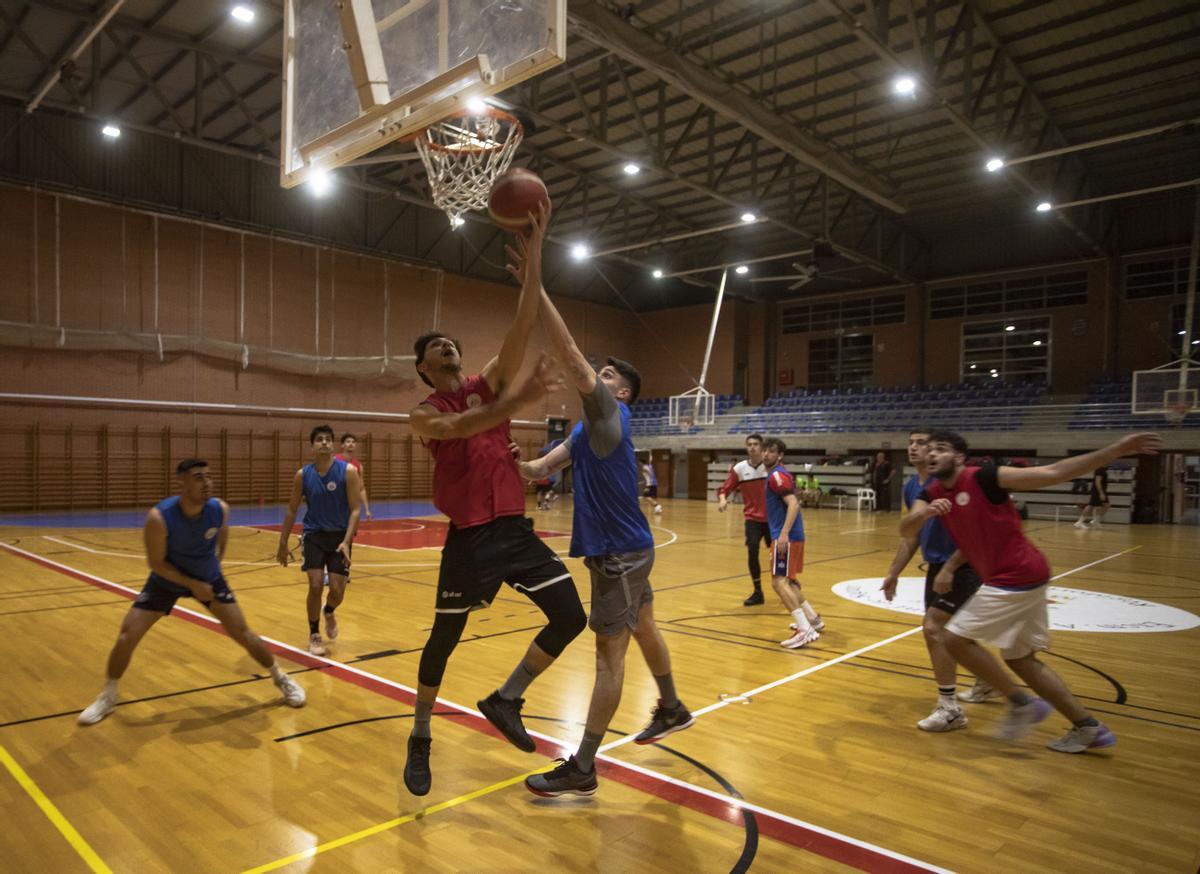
946 691
757 586
329 610
424 712
314 627
1087 722
1019 698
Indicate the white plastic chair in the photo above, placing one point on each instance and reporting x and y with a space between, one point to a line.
865 496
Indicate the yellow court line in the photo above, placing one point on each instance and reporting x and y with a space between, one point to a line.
392 823
52 813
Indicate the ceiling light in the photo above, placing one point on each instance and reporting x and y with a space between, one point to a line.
1181 333
972 366
319 183
476 104
457 221
1044 206
657 274
244 14
741 270
1010 327
632 169
1037 342
905 86
111 131
1196 342
994 164
995 375
749 217
580 251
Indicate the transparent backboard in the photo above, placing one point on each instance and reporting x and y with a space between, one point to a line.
696 407
359 74
1165 390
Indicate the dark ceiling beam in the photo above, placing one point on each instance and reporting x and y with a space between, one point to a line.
33 47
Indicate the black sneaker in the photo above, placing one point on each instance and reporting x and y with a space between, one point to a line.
506 716
754 600
664 722
566 779
417 776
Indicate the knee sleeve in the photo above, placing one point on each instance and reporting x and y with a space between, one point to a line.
446 632
566 616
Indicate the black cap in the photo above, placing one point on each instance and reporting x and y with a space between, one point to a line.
630 374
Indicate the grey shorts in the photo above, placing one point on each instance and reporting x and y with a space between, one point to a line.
620 586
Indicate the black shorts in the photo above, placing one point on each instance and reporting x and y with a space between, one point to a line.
476 560
1094 500
966 584
652 492
321 551
757 531
160 595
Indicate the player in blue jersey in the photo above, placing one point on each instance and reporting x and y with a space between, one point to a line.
185 540
332 491
944 594
787 546
613 537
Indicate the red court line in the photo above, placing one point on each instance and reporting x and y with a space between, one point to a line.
805 836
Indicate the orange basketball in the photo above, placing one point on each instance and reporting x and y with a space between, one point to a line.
516 194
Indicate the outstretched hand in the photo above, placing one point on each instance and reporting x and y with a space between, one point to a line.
525 261
1145 443
541 380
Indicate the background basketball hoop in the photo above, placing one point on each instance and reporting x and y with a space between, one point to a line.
463 154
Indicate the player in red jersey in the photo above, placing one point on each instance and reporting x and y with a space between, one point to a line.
1009 610
348 455
751 477
465 424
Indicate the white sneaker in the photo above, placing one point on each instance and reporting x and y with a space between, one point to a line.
98 709
316 646
800 639
818 625
331 626
979 693
293 695
1079 523
1082 738
944 718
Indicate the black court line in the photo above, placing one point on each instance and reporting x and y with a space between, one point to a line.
1121 696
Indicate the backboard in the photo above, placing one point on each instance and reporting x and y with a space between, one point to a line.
359 74
1171 390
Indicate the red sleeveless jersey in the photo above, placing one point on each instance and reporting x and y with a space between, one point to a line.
475 479
990 534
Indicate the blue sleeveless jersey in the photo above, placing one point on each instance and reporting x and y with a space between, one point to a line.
192 543
328 507
936 543
608 518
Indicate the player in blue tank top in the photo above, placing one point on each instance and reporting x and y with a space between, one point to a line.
613 537
185 540
942 598
332 491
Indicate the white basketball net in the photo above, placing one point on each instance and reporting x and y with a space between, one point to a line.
463 155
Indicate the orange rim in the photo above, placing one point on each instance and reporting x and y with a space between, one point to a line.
491 111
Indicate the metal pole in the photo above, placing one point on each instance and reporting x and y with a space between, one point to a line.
674 238
712 329
1189 310
1095 144
776 257
1125 194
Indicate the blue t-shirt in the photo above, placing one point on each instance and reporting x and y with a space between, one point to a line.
328 506
192 543
936 543
608 517
780 483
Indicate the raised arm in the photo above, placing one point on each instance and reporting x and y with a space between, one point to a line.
432 424
503 369
1029 478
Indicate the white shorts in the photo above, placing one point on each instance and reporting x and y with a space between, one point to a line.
1015 620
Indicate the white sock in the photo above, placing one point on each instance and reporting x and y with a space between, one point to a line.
802 625
276 672
110 687
809 611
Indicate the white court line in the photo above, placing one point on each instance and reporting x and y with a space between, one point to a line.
861 530
307 657
725 702
133 555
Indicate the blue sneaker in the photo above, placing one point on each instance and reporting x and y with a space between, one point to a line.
1081 738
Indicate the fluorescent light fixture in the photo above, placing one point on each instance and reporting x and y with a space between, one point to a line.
995 375
476 104
749 217
1181 333
1010 327
741 270
1044 206
995 164
244 14
972 366
457 221
1037 342
319 183
657 274
904 85
631 169
111 131
580 251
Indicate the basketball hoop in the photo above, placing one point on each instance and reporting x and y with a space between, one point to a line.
463 154
1176 413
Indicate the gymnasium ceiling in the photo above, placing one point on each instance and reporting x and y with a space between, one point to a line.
784 108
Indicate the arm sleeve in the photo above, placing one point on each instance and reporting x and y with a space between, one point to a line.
730 485
602 418
990 483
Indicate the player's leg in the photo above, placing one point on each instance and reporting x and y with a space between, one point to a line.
669 714
1084 516
338 567
317 556
754 534
788 561
138 620
226 609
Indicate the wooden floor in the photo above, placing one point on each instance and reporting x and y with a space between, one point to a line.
201 768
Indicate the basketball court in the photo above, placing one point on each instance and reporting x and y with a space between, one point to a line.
821 221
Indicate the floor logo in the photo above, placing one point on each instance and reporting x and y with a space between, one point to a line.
1070 609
